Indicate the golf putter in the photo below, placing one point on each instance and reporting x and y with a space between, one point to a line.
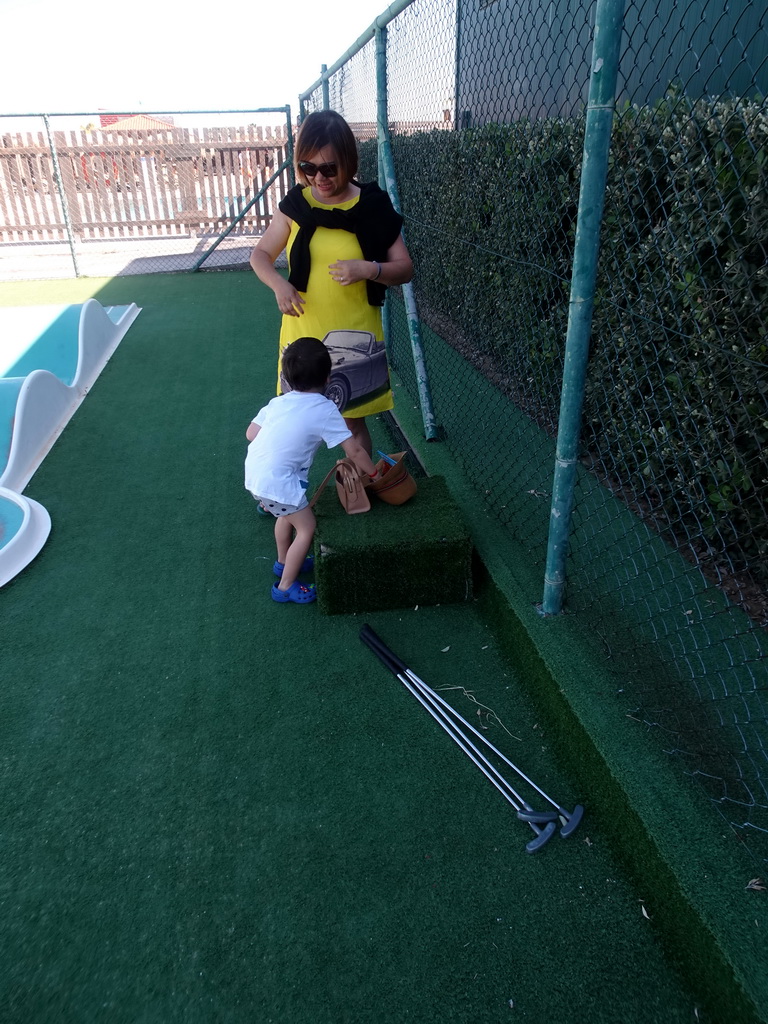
569 819
531 817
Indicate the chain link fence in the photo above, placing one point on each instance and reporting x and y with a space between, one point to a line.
110 194
668 548
485 111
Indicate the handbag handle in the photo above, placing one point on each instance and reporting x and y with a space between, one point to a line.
348 471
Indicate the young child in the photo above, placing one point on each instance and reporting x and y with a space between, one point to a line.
285 436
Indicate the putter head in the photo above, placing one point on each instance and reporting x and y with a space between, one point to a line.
538 817
543 837
571 821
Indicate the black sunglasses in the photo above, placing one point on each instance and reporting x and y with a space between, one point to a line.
327 170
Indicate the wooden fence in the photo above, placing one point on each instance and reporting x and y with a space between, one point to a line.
138 183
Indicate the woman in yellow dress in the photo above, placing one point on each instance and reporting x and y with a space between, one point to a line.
344 246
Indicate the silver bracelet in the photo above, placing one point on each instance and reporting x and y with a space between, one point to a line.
378 271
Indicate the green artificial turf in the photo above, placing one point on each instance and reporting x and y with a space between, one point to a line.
667 834
216 808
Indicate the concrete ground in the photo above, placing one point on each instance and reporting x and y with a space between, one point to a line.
119 257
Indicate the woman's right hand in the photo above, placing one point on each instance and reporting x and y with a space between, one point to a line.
263 258
289 301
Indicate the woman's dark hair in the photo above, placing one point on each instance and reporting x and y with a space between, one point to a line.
326 128
306 364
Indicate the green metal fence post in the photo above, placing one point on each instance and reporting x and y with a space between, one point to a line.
289 143
457 70
380 37
389 182
62 194
609 18
326 91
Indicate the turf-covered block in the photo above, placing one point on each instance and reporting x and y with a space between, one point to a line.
395 556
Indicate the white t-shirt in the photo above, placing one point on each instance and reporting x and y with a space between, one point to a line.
292 428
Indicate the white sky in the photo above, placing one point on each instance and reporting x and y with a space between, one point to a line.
153 55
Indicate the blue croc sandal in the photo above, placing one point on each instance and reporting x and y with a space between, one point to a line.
298 593
306 566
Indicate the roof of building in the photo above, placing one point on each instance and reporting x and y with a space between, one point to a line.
137 121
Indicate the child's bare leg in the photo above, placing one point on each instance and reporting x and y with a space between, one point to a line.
283 536
293 553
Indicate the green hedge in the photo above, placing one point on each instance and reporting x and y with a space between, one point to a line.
490 213
676 411
678 384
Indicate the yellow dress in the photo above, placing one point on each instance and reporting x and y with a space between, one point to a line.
331 306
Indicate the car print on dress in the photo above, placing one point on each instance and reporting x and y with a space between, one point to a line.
359 368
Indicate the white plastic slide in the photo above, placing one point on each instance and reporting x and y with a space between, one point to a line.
50 357
24 528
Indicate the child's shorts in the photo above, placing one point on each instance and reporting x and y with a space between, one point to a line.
278 509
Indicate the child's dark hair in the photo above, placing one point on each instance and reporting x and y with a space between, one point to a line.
306 364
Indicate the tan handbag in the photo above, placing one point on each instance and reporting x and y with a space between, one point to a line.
394 484
349 487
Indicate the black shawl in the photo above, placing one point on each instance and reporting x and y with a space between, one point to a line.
373 219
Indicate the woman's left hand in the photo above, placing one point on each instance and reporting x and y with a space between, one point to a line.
346 272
